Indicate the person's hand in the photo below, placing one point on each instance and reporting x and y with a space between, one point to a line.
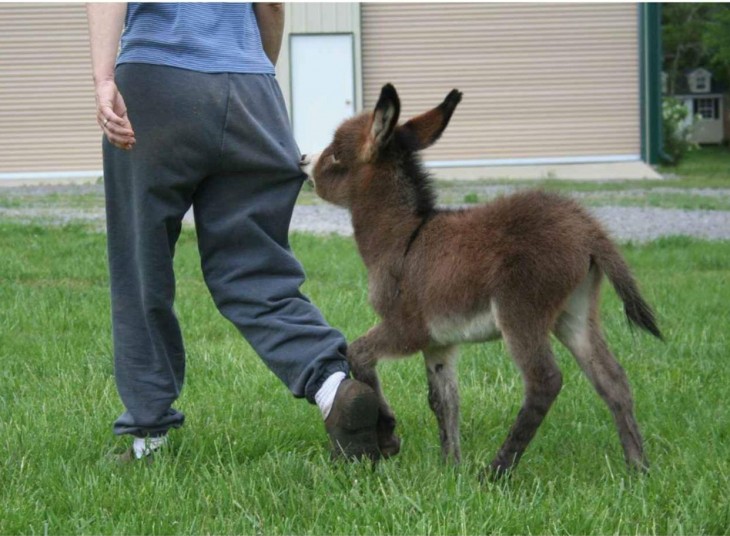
111 114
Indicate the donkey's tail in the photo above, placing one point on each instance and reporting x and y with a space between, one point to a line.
608 258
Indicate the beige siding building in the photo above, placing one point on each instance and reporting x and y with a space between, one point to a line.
548 88
47 112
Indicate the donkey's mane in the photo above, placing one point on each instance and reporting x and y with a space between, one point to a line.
418 179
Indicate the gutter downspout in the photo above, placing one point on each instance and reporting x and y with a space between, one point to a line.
650 50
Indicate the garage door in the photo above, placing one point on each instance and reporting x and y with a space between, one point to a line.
46 92
540 81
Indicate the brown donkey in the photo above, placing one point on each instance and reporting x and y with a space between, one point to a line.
519 267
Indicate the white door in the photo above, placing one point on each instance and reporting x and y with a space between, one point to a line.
323 87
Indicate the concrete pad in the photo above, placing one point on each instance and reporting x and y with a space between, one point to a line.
618 171
50 179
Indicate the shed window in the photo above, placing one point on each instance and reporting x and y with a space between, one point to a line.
707 108
701 83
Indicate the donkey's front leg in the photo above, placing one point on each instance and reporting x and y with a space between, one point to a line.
443 397
363 355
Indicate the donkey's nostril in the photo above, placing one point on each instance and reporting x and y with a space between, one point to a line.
308 162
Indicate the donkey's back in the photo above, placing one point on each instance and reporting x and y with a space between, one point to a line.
532 249
528 239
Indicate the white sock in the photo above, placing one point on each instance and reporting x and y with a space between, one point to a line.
144 446
326 394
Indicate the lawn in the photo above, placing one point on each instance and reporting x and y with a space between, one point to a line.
253 460
700 182
702 166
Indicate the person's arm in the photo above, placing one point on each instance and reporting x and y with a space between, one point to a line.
106 22
270 20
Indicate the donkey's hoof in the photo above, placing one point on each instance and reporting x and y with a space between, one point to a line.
496 471
388 442
389 446
638 467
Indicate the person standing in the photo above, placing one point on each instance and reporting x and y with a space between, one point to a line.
192 115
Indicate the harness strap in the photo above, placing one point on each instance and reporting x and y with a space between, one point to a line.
414 235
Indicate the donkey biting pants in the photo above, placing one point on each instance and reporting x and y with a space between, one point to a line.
222 144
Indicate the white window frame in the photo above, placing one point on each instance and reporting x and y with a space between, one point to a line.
707 107
701 83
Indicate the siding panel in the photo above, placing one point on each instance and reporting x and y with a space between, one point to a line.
539 80
47 111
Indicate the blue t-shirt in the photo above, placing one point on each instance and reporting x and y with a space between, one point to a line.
205 37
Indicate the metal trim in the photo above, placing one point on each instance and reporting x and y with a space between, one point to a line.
610 159
50 175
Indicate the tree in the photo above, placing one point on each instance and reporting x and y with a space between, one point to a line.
716 41
695 35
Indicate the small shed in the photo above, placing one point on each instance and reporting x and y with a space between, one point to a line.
702 95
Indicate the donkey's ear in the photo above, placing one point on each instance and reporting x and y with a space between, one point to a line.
385 118
423 130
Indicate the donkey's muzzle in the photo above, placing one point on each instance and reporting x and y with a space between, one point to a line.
306 164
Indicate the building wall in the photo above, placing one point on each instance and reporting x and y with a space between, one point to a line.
540 81
47 109
543 81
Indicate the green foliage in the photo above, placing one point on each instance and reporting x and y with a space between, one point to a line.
696 35
471 198
252 460
682 28
716 40
676 133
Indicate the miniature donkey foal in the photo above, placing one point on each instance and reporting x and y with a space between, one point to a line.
520 267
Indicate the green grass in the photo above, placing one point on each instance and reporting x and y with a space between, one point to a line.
252 460
69 199
706 168
626 197
706 164
651 198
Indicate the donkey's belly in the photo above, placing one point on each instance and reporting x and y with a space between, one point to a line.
454 329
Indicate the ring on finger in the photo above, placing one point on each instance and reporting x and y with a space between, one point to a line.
106 121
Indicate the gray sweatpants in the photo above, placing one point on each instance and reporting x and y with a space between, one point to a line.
223 144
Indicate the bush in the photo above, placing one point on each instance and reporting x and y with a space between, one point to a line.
677 134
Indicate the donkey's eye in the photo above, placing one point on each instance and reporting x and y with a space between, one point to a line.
335 160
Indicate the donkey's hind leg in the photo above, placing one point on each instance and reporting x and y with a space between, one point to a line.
443 397
578 328
531 350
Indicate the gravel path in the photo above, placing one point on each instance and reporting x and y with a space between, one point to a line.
58 205
640 224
